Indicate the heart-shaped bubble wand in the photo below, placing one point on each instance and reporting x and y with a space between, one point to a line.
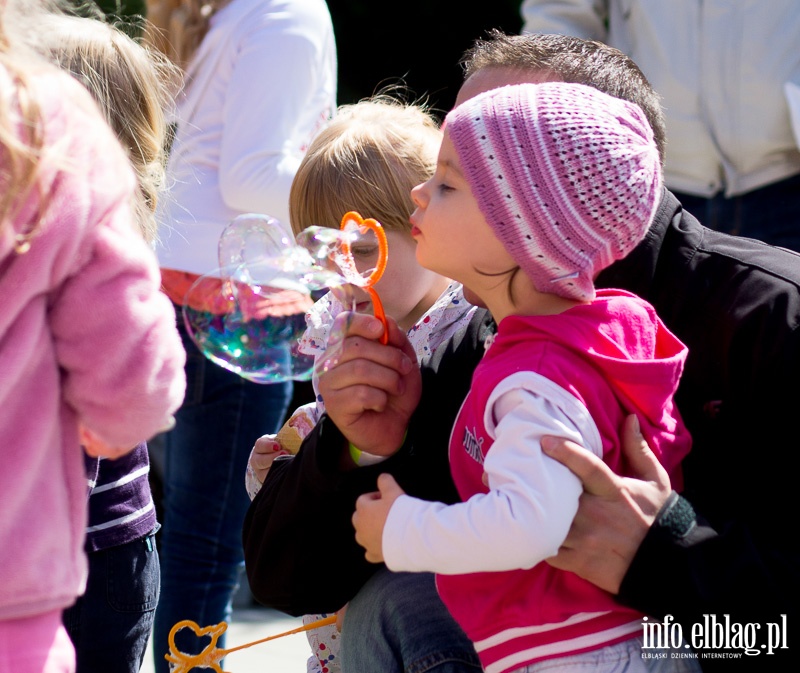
353 221
211 655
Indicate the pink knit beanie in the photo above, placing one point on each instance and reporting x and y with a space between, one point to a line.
567 177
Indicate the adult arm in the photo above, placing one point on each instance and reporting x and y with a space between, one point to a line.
627 528
614 513
581 18
735 303
371 390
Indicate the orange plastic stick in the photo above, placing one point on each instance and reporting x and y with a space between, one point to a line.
380 314
211 655
375 276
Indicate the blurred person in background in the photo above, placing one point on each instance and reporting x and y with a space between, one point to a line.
260 80
729 75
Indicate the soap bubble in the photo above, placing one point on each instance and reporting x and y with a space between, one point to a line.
354 251
249 315
359 251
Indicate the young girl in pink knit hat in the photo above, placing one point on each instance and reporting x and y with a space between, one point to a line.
538 187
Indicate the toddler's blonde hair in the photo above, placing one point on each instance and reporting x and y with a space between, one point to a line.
367 159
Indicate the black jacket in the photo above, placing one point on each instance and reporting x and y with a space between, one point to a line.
735 302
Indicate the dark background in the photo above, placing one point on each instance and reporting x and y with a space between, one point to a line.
418 42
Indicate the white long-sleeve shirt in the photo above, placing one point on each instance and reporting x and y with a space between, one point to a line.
721 68
262 82
528 491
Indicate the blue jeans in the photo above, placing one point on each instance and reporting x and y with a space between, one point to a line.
110 624
204 500
770 214
398 624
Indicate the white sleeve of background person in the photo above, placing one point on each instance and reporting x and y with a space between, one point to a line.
526 514
581 18
269 90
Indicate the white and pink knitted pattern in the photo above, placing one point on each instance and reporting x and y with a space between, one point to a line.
567 177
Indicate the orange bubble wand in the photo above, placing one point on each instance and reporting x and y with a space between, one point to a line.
353 218
211 655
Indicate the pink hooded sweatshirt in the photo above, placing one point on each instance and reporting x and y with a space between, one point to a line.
587 368
85 336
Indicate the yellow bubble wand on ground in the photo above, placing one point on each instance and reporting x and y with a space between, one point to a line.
211 655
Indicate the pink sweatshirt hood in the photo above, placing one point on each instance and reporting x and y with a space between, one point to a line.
624 340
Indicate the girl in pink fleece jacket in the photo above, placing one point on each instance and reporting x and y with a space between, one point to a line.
87 341
538 187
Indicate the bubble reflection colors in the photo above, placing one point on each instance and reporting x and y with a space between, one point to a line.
254 333
248 316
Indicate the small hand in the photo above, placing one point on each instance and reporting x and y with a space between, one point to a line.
97 448
265 451
369 519
614 513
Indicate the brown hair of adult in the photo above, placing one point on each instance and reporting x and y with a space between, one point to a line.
574 60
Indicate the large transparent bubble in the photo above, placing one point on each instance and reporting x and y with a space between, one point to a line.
249 315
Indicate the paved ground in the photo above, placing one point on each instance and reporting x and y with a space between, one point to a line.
283 655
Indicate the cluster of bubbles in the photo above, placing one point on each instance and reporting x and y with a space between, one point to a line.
249 314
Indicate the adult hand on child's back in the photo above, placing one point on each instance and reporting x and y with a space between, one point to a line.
372 390
369 519
614 513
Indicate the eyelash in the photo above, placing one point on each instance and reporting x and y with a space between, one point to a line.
444 188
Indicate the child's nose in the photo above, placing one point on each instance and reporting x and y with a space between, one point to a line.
417 195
